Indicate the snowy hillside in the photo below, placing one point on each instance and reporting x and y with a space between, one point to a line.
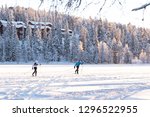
99 82
24 37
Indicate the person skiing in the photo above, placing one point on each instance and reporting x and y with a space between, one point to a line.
34 67
77 65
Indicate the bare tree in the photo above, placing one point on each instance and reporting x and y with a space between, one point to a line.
141 7
77 3
74 4
69 3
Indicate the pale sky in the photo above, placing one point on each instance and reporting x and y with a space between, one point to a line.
115 13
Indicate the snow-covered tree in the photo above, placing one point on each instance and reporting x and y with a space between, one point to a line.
104 53
36 45
136 44
92 40
127 55
75 48
143 56
148 52
48 48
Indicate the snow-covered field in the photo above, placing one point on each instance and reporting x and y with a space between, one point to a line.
95 82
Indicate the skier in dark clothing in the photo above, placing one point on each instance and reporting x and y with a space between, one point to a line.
34 67
77 65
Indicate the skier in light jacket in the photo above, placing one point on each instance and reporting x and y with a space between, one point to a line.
34 67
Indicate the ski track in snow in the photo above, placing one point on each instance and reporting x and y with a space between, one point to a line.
58 82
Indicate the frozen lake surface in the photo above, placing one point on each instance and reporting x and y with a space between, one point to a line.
94 82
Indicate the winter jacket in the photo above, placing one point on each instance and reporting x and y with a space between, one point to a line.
78 64
35 65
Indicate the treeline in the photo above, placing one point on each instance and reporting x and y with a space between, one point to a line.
92 40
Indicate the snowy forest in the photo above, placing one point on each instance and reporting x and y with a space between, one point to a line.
25 37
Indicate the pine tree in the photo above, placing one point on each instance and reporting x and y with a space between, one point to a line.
2 52
143 56
75 48
127 55
104 53
48 48
36 45
18 52
136 44
148 52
